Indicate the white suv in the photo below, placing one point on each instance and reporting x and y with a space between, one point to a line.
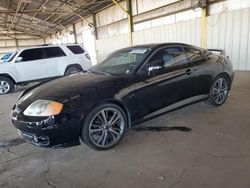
43 62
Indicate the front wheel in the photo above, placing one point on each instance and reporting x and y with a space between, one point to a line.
219 91
104 127
6 85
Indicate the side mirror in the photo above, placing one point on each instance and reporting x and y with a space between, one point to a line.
154 67
153 70
19 59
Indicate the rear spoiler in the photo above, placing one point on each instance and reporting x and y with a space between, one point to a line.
218 51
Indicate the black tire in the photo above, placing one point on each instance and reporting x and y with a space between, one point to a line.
219 91
72 70
6 85
108 135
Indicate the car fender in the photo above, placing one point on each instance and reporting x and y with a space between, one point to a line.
221 67
65 66
7 69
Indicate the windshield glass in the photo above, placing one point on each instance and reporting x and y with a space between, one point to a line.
6 56
121 62
12 56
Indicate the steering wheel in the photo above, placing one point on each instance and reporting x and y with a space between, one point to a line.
131 67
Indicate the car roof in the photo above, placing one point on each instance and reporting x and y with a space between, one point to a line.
48 46
158 45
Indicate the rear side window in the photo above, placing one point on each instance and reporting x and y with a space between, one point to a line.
75 49
31 54
54 52
193 54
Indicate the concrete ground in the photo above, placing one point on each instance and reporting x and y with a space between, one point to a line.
206 147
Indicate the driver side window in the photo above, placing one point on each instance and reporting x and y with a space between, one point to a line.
169 56
31 54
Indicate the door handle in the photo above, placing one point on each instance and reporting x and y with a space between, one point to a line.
189 71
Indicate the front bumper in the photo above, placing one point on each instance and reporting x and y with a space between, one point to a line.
53 131
34 139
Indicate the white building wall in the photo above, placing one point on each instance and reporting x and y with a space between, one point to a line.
186 32
227 30
174 30
231 31
108 45
66 36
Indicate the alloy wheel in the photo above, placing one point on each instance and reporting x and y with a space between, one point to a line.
106 127
4 87
220 91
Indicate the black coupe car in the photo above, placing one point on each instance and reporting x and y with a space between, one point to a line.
127 87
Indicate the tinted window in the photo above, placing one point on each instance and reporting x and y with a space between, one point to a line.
54 52
193 54
75 49
168 57
31 54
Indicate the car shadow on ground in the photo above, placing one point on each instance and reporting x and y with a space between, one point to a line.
140 127
182 129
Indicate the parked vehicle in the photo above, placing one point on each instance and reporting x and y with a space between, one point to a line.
127 87
6 57
42 63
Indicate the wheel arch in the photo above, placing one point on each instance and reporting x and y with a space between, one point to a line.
8 76
74 65
124 108
227 76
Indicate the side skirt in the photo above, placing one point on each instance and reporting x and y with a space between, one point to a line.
174 107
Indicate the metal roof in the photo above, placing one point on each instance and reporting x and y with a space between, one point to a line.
44 17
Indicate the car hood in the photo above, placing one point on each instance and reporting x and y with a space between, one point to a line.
77 86
2 62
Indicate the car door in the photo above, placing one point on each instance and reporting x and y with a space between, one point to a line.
30 65
165 79
55 60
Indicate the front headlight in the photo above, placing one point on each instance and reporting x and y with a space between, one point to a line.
43 108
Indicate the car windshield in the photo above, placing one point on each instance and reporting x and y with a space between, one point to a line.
12 56
6 56
121 62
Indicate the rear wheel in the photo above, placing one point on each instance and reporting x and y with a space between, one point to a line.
104 127
6 85
72 70
219 91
